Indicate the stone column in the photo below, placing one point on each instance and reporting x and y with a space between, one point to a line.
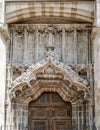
96 44
63 45
7 100
75 46
19 116
74 117
13 47
36 45
96 47
87 47
25 59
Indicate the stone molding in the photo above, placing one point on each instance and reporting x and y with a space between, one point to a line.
45 27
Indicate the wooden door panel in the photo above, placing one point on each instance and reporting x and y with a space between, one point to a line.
59 112
61 124
38 113
40 125
50 112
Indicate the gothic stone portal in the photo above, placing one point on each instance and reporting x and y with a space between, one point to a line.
50 112
47 111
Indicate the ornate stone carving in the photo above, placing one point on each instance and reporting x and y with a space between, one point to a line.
76 77
47 28
50 53
51 76
49 70
17 70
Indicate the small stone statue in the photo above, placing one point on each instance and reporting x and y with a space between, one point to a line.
50 45
50 39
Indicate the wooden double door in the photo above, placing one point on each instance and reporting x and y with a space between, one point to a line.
50 112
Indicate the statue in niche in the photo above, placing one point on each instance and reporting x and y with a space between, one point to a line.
51 39
50 43
50 46
50 36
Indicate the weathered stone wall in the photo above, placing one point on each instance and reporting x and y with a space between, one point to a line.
2 81
97 14
2 65
96 44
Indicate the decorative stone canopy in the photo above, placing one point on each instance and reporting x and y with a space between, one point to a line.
50 76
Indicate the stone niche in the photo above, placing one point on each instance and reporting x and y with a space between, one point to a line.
28 43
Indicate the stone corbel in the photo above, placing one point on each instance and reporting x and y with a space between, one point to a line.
30 28
19 28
